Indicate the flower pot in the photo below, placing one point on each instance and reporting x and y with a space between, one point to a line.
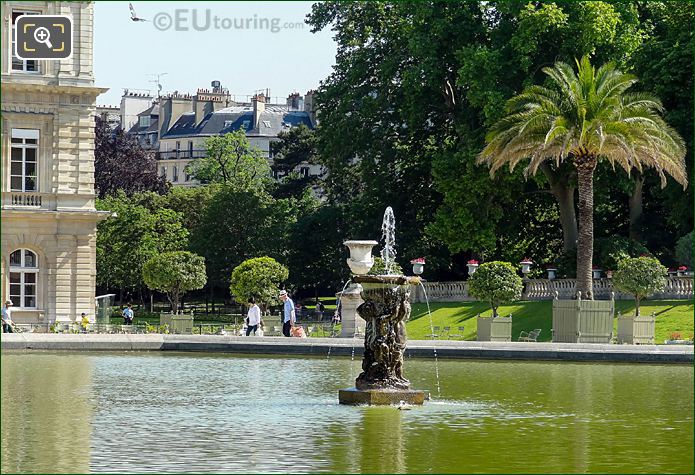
636 330
596 273
583 321
494 329
472 268
552 273
360 260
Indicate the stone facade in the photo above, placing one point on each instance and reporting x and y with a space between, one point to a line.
48 211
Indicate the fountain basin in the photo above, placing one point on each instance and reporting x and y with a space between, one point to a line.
382 397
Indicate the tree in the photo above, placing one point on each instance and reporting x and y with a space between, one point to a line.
134 235
260 278
121 164
640 276
684 250
583 118
294 147
175 273
495 282
231 160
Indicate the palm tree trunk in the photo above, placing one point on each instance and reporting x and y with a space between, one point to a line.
585 165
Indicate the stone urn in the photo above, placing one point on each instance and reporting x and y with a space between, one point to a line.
360 260
552 272
472 267
418 265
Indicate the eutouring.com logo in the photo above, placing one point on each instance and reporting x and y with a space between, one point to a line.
183 19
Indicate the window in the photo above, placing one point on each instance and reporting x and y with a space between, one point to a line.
190 149
163 172
145 121
266 123
28 65
153 138
175 174
23 160
24 269
304 172
188 177
246 124
178 148
228 123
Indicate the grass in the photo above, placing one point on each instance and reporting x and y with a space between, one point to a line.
671 316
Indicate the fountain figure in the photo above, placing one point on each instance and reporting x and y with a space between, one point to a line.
386 309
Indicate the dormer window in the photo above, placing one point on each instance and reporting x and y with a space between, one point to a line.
266 123
145 121
23 65
228 123
246 124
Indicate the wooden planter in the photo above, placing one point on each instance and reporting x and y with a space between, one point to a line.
636 330
182 324
583 321
495 329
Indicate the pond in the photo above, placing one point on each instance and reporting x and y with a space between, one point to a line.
166 412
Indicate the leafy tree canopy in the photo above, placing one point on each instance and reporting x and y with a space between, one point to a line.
495 282
175 273
640 276
260 278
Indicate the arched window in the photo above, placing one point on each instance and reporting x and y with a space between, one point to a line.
24 269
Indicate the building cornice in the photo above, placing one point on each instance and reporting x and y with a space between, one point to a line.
11 86
42 215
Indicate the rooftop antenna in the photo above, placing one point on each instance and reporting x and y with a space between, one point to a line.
158 82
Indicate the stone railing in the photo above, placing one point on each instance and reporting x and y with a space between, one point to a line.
25 200
544 289
441 292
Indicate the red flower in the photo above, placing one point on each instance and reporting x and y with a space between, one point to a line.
526 261
419 260
473 261
682 268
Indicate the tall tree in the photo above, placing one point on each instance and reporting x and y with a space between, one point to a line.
582 118
231 160
121 164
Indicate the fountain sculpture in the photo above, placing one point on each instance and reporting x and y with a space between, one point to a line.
386 309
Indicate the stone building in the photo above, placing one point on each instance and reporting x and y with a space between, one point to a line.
48 215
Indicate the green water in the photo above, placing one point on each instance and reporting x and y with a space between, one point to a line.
163 412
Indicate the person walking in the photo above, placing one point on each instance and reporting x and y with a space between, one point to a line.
7 317
253 318
288 312
128 315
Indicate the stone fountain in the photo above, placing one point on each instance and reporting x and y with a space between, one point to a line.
386 309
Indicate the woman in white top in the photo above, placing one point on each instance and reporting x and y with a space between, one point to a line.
253 318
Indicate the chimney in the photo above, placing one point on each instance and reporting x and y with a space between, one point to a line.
258 101
309 106
132 103
171 108
201 108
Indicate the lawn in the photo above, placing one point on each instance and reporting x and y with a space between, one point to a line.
671 316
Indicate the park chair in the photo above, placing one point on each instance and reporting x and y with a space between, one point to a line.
435 332
458 335
530 336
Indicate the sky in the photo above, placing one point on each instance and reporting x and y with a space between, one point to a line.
248 46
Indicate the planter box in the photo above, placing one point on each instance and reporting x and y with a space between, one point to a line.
182 324
495 329
636 330
583 321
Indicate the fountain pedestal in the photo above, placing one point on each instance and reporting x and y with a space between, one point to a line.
385 309
352 323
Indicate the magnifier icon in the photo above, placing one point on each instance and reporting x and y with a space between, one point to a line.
42 35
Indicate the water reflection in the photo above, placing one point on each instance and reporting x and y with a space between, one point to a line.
219 413
46 413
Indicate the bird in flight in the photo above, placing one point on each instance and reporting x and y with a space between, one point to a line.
133 16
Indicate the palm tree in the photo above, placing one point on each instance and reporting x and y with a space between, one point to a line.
585 117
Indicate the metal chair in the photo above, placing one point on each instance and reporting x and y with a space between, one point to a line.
435 332
530 336
457 335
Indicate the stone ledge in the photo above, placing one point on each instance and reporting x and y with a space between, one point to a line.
346 347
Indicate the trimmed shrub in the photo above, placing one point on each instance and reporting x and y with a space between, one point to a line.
641 277
495 282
